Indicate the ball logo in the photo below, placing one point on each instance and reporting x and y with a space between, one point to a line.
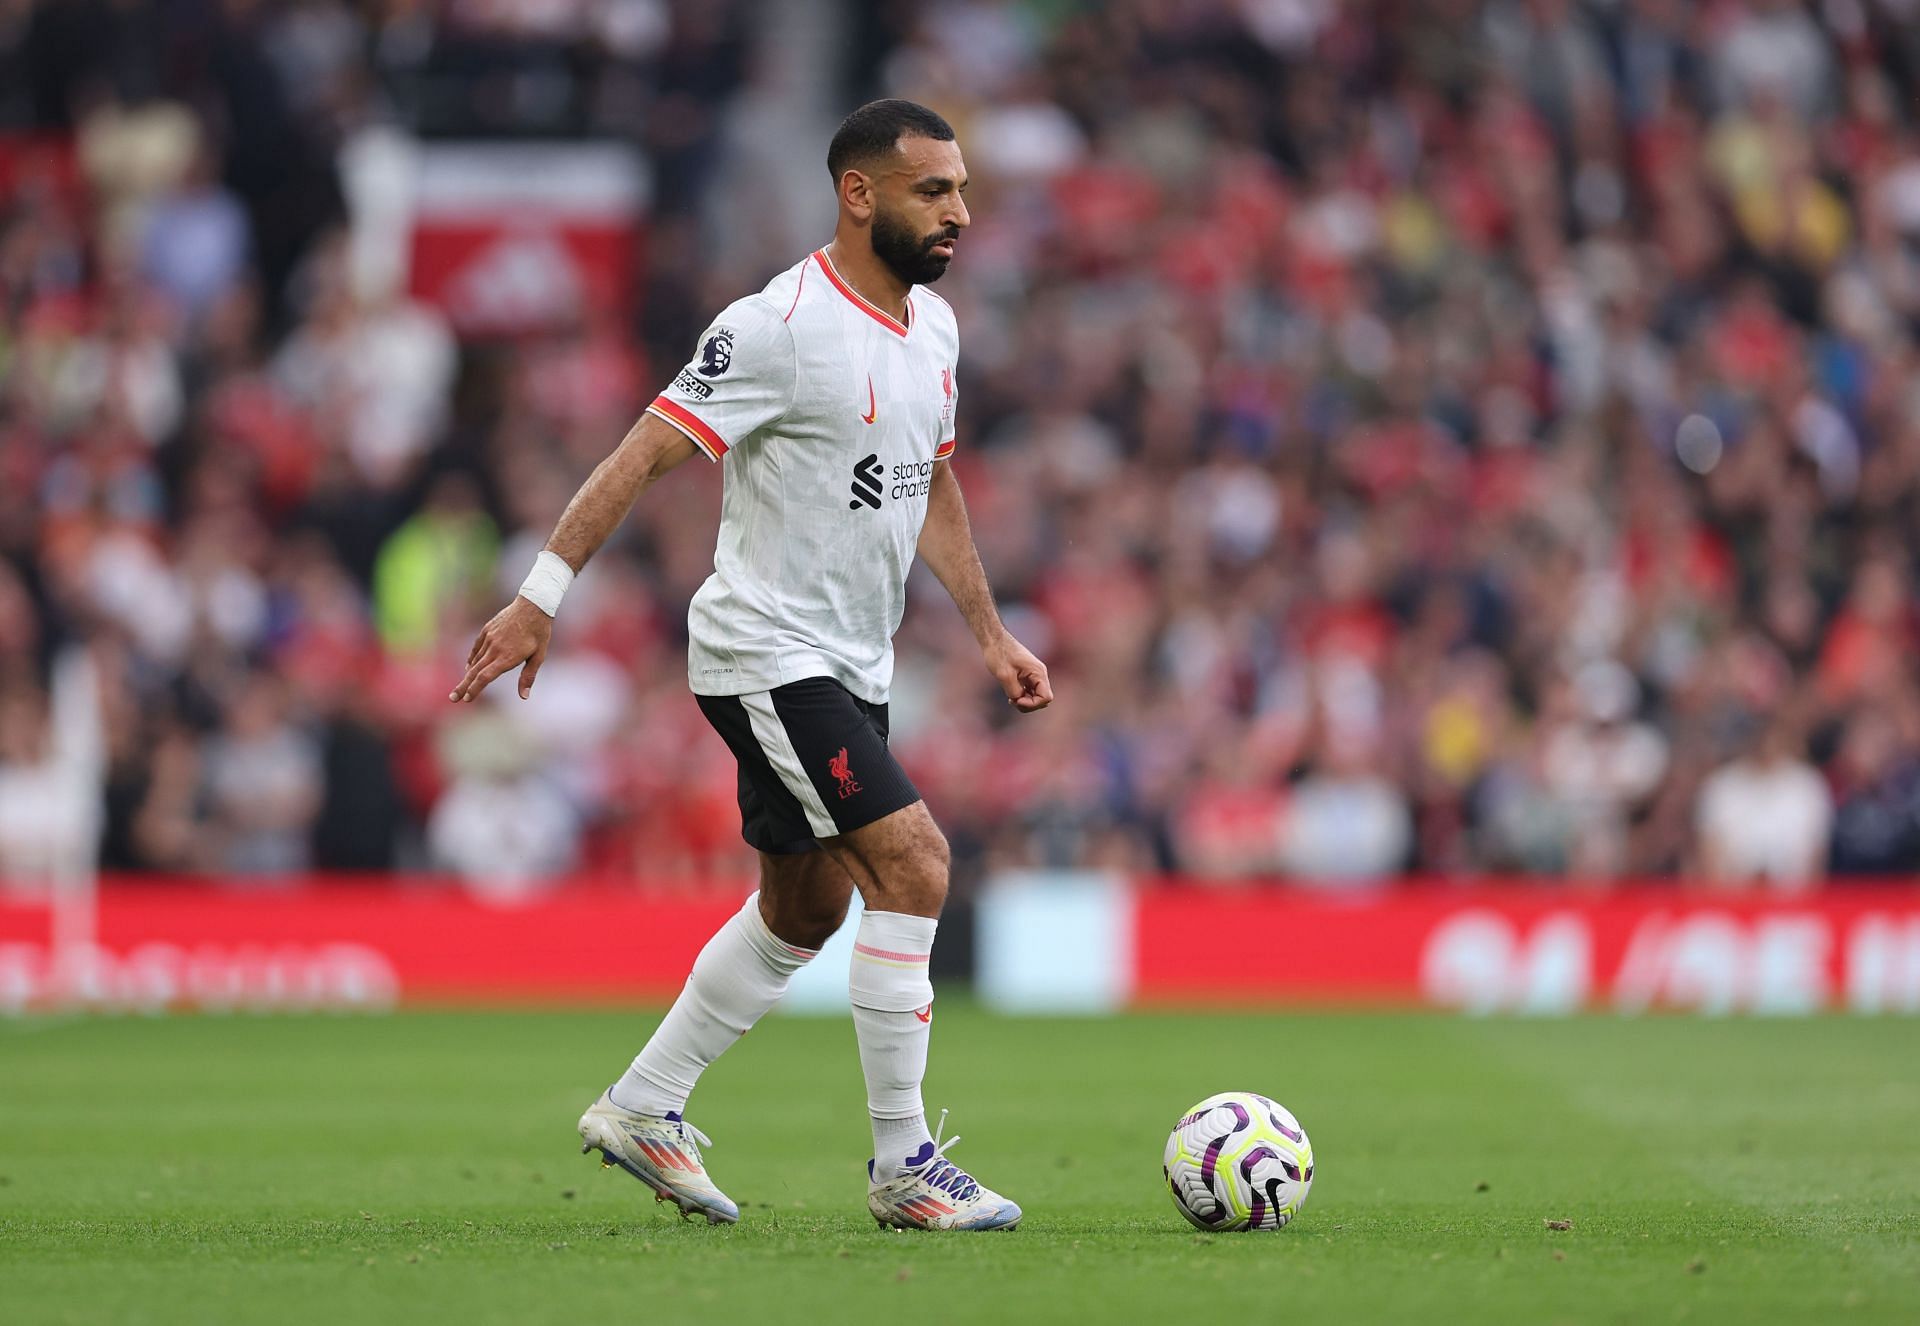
716 355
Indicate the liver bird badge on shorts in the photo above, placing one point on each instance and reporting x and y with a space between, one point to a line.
838 766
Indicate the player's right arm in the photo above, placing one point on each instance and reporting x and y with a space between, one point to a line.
741 378
519 633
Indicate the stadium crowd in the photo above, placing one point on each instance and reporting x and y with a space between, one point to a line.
1446 438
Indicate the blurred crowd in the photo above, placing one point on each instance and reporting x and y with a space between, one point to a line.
1450 438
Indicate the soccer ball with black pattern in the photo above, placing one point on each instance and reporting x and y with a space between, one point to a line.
1239 1161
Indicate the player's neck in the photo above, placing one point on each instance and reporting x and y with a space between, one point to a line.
873 279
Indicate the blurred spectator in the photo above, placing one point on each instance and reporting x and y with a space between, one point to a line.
1346 824
1602 766
361 818
375 376
434 565
194 244
1876 813
1525 827
263 779
168 808
501 825
51 757
1764 818
1772 49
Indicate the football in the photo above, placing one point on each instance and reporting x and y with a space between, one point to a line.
1239 1161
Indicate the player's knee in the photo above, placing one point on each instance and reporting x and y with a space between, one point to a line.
802 903
817 919
806 922
901 863
922 870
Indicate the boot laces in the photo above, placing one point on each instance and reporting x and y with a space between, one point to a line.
940 1172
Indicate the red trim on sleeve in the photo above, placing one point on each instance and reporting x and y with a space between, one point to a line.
944 450
689 423
858 300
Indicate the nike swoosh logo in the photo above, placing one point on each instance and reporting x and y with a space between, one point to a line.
873 410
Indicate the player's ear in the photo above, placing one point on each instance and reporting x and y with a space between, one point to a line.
856 194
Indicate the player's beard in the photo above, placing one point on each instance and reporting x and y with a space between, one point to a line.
907 255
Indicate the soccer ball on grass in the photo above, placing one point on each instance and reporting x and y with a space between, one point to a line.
1239 1161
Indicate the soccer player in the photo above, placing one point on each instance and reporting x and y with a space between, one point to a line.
829 396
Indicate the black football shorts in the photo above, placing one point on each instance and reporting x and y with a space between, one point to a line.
813 760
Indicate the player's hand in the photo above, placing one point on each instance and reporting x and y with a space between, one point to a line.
519 633
1022 676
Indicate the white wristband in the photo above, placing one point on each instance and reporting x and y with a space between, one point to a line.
547 583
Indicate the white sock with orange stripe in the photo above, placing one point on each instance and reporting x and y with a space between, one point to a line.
739 975
893 1021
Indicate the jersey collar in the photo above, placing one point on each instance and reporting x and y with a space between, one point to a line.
860 301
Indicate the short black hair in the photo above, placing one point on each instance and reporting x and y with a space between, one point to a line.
877 128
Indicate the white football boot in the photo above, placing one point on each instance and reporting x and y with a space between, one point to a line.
660 1150
938 1194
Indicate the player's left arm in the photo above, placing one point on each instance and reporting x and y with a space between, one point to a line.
946 546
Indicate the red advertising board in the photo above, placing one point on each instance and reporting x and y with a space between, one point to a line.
1541 950
328 944
1538 950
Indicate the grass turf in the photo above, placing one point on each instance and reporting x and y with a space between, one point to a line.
422 1168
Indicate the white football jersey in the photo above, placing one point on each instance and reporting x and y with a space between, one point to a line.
830 415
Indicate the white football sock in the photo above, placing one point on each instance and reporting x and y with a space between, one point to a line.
739 975
893 1020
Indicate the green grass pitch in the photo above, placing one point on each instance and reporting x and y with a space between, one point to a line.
423 1168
